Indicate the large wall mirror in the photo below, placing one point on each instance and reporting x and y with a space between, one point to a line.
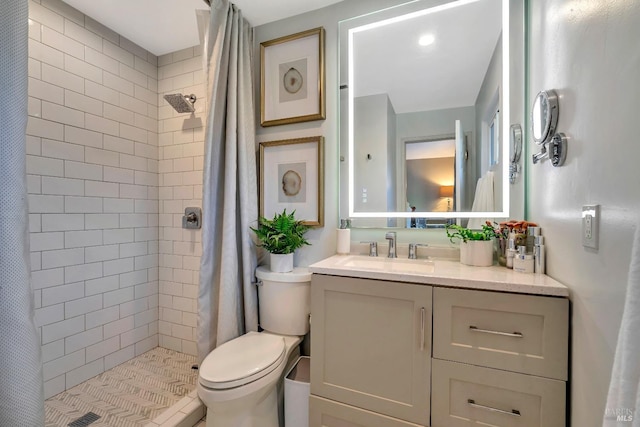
429 91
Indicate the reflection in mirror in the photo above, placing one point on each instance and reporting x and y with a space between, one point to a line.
424 114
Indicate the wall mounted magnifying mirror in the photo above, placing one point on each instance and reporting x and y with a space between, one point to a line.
516 152
428 97
544 116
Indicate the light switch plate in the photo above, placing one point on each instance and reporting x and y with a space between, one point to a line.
590 226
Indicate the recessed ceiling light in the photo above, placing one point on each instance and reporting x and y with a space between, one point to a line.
426 40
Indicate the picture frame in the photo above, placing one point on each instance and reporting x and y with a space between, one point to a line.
292 178
292 78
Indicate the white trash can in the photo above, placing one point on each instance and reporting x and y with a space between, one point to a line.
297 388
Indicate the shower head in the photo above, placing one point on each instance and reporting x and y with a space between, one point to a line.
181 103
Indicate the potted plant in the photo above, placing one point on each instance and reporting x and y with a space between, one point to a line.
477 246
281 236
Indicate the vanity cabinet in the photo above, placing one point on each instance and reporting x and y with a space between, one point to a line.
495 358
371 349
499 359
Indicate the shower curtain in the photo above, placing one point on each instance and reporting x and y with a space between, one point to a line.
227 301
21 391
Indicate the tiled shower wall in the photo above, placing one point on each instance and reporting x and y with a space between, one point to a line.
92 165
181 141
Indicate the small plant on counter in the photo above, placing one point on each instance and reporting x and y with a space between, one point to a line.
281 235
455 231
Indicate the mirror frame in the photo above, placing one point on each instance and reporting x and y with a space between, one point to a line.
505 119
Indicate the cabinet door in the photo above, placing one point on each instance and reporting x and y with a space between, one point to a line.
327 413
371 345
466 395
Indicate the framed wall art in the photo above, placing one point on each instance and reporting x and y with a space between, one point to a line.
292 178
292 78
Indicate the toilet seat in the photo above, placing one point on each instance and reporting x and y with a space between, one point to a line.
242 360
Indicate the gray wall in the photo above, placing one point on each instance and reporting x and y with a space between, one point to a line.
491 85
371 138
439 123
590 55
323 239
424 178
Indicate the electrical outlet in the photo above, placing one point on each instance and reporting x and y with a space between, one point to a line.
590 226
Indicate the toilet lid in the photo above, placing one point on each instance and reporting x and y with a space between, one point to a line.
242 360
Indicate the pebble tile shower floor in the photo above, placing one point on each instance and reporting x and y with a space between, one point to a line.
129 395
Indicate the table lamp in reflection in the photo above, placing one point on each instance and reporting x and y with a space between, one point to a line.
447 191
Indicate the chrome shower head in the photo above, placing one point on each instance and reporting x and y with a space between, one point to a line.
181 103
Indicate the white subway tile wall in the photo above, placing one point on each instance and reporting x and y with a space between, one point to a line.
181 154
93 163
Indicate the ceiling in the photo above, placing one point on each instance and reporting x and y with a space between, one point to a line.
445 74
164 26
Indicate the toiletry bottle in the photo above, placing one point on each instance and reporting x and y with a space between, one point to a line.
539 255
343 246
532 232
511 252
523 262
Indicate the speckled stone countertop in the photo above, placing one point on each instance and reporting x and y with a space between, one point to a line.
438 272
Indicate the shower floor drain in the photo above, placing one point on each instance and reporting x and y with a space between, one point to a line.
84 420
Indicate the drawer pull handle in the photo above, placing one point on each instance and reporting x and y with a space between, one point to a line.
504 334
422 321
513 412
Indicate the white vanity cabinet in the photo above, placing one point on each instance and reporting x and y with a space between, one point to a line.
371 349
499 359
495 358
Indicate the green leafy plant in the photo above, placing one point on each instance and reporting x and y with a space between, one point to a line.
281 235
457 232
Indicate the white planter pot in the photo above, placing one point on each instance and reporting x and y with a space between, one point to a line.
478 253
281 263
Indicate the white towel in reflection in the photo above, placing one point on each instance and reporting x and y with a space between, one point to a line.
483 200
624 389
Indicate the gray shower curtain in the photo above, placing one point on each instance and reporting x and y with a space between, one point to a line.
227 301
21 391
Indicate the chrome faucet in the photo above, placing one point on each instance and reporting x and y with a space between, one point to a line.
413 249
391 237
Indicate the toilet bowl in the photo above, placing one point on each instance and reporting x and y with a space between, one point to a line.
240 382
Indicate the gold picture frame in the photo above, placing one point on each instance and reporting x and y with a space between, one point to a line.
292 178
292 78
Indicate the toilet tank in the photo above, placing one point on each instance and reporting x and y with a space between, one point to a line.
284 301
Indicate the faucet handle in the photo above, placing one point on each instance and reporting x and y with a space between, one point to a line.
413 249
373 248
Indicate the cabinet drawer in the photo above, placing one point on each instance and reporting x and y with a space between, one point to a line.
329 413
519 333
465 395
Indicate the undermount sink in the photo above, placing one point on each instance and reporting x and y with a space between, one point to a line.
392 265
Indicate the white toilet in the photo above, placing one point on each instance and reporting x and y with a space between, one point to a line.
240 382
